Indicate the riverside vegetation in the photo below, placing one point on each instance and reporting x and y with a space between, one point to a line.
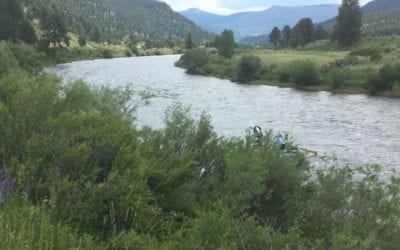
345 63
370 66
75 173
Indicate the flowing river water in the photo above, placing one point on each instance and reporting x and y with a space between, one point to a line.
357 129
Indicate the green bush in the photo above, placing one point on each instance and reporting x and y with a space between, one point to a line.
82 41
128 53
284 73
219 66
390 73
248 68
375 84
107 54
384 80
375 57
349 60
304 72
337 77
8 62
193 60
367 52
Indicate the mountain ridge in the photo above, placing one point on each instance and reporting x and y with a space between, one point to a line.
255 23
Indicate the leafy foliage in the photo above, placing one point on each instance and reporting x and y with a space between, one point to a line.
14 25
248 68
85 177
384 80
26 226
304 72
194 60
225 44
54 27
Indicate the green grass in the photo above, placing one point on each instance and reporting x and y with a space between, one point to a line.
23 226
279 57
367 56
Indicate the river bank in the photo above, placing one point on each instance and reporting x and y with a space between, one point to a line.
342 125
361 69
77 171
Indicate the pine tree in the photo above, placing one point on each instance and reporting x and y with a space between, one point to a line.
347 30
189 41
226 44
302 33
285 34
96 34
26 32
275 36
82 41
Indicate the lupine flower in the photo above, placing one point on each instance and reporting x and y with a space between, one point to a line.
6 186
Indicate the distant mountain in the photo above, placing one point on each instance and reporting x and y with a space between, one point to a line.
257 23
201 17
146 19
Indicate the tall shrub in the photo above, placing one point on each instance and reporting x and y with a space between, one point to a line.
248 68
304 72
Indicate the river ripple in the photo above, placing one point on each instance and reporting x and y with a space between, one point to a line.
358 129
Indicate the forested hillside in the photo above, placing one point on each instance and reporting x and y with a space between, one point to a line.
383 23
155 19
113 20
380 5
380 17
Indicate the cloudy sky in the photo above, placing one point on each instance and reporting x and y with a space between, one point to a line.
232 6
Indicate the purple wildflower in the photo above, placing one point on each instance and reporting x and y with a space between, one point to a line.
6 186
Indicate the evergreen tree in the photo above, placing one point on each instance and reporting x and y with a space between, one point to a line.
320 33
302 33
275 36
14 26
8 27
82 41
96 34
226 44
348 23
189 41
285 34
12 8
26 32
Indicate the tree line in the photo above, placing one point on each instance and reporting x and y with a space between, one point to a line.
347 29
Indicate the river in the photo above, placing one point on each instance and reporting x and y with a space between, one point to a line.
357 129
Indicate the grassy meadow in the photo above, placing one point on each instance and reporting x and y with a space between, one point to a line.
341 70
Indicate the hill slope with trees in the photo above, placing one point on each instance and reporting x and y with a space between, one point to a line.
377 16
113 20
383 23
